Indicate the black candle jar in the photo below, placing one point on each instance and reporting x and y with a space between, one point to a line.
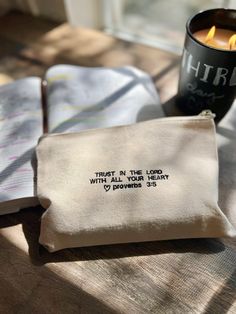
207 75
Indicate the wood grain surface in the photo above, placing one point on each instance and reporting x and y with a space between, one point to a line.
184 276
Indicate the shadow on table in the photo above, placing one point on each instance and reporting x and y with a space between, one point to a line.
203 246
30 220
28 289
223 298
61 292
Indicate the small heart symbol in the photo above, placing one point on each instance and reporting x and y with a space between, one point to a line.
107 187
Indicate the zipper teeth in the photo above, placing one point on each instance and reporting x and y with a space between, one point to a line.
181 118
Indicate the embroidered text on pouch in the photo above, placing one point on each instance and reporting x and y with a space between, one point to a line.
128 179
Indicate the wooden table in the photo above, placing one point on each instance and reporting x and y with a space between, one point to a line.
184 276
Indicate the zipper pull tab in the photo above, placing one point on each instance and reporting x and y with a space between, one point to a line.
207 114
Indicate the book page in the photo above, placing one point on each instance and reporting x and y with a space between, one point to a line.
80 98
21 126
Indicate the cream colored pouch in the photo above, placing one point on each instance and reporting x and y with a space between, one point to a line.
153 180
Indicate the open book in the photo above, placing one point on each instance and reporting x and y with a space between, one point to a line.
77 98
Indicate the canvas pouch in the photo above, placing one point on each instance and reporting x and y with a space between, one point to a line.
154 180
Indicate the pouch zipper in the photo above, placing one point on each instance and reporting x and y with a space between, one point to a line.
205 114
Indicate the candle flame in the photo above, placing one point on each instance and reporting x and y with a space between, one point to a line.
210 34
232 42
